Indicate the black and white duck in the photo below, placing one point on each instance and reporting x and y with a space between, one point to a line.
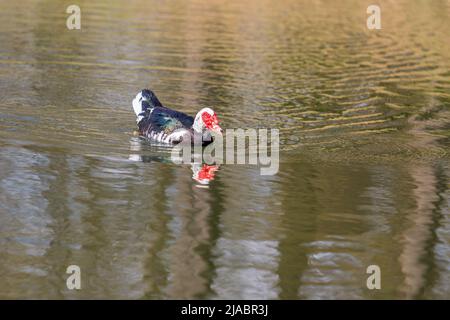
165 125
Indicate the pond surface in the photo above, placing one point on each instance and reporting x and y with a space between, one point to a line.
364 162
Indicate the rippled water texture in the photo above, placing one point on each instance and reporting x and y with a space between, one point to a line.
364 165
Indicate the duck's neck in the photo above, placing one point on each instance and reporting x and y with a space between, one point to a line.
197 127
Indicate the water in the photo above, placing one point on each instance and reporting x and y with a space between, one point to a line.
364 164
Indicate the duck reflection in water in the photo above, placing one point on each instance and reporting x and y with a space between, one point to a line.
202 173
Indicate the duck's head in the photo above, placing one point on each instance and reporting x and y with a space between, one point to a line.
206 120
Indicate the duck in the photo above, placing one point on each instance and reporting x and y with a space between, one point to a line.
164 125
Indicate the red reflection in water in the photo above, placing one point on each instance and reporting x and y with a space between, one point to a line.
205 173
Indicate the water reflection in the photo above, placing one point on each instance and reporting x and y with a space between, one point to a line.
143 229
201 172
418 237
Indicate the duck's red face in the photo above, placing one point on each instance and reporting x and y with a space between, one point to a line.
211 122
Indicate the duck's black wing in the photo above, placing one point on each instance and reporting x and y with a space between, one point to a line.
150 97
162 119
